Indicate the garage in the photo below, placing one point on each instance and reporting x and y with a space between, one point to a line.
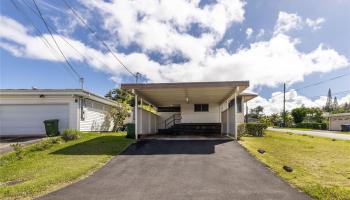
27 120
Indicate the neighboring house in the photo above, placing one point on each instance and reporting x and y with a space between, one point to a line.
22 111
336 120
190 108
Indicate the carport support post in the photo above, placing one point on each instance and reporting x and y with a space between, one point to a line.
136 115
141 115
237 88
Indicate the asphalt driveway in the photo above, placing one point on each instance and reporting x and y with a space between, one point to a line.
181 169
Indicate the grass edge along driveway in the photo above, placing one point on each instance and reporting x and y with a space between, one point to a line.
42 171
321 165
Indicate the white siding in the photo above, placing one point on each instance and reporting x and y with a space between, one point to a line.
147 122
189 116
27 119
96 117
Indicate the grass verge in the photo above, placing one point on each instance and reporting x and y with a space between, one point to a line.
52 166
321 166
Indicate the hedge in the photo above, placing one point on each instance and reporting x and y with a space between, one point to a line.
253 129
314 125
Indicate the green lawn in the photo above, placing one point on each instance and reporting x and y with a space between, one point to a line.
40 172
321 166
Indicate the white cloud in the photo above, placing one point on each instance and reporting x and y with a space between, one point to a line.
163 26
260 34
249 32
274 104
287 22
292 21
293 100
315 24
266 62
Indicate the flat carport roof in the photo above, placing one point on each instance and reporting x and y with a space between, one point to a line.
165 94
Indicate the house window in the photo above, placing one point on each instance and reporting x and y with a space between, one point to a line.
201 107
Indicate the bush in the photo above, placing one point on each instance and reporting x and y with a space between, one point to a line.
241 130
255 129
70 134
18 150
312 125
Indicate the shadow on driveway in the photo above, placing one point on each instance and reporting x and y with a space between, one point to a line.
162 147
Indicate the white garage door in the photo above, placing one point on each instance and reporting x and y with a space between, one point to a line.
26 120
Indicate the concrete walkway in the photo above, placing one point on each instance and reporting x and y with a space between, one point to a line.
5 143
182 169
317 133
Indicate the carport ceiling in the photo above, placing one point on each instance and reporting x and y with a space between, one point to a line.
165 94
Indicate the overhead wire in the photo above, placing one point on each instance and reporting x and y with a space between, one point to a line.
78 16
42 38
58 47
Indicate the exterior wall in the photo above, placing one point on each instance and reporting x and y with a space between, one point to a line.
189 116
34 111
335 122
147 122
96 117
228 119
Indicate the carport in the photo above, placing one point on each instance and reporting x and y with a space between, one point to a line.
189 106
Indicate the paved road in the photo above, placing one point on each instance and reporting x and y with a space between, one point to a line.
181 169
320 133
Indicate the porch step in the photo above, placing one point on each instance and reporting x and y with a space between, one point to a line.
192 128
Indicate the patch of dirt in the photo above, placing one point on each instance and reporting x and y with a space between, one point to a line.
12 182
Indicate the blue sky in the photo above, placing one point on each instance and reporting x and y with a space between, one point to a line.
266 42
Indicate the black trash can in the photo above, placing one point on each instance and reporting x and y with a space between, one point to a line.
345 127
51 127
130 130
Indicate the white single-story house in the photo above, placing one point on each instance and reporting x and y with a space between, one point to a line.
22 111
190 107
336 120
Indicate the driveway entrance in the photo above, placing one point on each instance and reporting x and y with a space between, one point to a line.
181 169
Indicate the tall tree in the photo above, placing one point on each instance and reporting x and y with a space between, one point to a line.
328 107
335 104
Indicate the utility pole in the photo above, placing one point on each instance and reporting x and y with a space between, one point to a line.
81 79
284 104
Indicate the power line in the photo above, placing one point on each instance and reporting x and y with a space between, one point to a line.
65 58
324 81
317 83
43 39
63 38
98 38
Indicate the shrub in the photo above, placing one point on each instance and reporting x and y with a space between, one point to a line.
241 130
18 150
70 134
255 129
312 125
